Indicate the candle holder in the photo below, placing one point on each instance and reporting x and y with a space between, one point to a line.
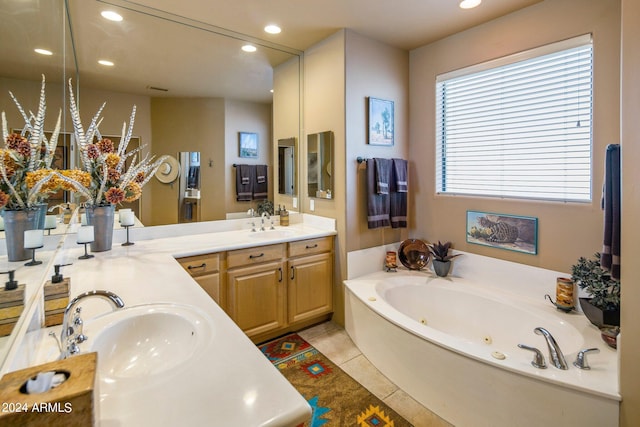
33 257
33 239
127 243
86 254
85 236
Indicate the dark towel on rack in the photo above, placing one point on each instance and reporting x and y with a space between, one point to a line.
245 175
261 186
398 195
610 257
377 204
399 176
383 175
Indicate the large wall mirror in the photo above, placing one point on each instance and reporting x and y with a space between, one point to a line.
320 165
193 86
27 26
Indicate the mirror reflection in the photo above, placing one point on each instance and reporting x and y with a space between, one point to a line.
287 160
320 165
189 186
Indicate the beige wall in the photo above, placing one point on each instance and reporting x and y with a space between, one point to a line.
190 124
324 110
286 120
380 71
335 98
630 133
566 230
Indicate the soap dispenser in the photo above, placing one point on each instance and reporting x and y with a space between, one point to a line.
56 297
12 303
284 216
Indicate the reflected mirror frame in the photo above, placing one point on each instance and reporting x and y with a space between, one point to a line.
287 172
320 165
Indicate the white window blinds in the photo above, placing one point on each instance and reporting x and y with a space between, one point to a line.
518 128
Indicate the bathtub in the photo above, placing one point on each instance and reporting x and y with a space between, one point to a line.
451 344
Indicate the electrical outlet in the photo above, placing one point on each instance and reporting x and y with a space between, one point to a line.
295 202
312 205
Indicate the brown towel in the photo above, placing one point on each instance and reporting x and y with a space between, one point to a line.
377 204
245 176
261 185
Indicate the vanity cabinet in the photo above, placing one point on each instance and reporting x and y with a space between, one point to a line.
310 279
256 289
270 290
205 269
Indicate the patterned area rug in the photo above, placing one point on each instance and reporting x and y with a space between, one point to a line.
337 400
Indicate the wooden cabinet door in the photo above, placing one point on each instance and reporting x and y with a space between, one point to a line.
310 286
211 284
255 298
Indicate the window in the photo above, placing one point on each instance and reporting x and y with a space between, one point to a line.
519 126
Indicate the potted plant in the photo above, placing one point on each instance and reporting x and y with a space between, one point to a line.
603 308
441 257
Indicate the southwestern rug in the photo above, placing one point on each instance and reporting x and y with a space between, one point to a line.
336 399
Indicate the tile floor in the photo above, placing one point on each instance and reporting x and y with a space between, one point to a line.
334 342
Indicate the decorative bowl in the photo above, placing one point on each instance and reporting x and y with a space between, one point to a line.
414 254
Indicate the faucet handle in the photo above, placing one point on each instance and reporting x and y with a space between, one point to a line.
538 358
581 358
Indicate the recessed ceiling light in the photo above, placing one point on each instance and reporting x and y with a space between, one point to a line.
469 4
43 51
272 29
249 48
105 63
111 15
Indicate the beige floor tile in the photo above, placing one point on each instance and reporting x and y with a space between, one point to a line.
336 345
319 329
361 370
414 412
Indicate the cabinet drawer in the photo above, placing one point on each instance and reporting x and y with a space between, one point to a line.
311 246
250 256
201 264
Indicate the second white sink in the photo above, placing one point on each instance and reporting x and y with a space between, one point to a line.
272 234
147 340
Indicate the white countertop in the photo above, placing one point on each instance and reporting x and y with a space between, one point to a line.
235 384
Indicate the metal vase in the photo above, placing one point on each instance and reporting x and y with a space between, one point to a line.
101 217
15 224
41 209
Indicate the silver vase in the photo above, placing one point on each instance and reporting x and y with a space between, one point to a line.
101 217
15 224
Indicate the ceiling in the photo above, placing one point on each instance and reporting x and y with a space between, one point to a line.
192 47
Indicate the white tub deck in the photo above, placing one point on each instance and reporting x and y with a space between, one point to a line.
436 339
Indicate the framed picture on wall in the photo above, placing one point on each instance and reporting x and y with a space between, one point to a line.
381 122
248 144
511 232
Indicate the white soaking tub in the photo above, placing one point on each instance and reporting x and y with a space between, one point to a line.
451 343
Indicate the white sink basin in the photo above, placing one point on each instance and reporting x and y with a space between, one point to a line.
147 340
272 234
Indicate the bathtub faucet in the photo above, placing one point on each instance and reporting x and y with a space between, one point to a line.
555 354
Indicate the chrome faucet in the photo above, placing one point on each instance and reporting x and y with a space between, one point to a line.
71 334
262 219
555 354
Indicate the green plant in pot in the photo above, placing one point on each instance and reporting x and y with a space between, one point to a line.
441 257
603 308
